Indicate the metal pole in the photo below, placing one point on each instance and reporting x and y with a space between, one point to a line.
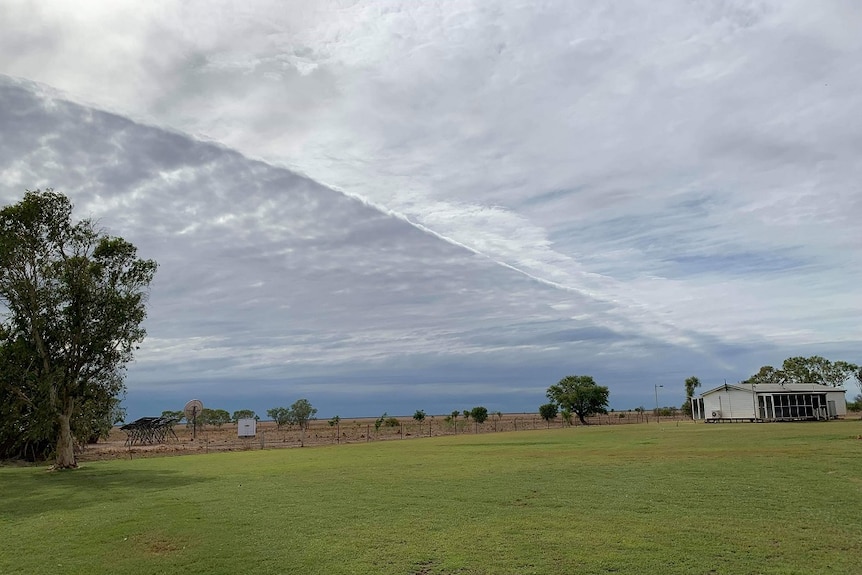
657 417
754 402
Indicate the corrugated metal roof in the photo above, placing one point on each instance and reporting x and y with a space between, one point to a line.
776 388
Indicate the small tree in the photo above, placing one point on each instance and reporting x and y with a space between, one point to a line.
216 417
205 417
581 395
498 417
466 414
379 422
221 417
243 414
335 422
479 414
453 419
301 412
685 408
691 384
280 415
548 412
419 416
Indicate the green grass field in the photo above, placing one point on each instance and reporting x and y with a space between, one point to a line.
687 499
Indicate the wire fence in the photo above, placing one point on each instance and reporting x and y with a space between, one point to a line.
268 435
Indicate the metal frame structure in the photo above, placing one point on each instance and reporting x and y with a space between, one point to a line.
150 430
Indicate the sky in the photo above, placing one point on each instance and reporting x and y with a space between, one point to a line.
399 205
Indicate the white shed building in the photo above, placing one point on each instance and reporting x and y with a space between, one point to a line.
770 402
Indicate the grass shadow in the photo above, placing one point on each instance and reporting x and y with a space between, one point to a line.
26 492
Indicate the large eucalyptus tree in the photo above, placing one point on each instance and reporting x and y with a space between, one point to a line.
74 299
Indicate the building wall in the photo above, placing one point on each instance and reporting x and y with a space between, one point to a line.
840 402
729 403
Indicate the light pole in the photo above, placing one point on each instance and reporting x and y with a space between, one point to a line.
656 386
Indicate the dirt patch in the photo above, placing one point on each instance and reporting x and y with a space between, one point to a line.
158 544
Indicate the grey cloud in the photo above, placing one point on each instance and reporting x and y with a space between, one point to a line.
679 174
255 255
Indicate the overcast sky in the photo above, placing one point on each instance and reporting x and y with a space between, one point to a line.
391 206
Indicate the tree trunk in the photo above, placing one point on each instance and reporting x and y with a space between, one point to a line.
65 442
581 417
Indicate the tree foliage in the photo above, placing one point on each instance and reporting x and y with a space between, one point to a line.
215 417
548 412
419 415
378 423
691 384
814 369
75 299
581 395
280 415
243 414
301 412
27 423
686 408
479 414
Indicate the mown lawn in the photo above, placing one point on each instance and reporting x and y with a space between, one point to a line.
664 499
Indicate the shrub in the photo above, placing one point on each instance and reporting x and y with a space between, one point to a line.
379 421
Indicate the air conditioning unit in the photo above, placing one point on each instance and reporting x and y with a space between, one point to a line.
716 413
